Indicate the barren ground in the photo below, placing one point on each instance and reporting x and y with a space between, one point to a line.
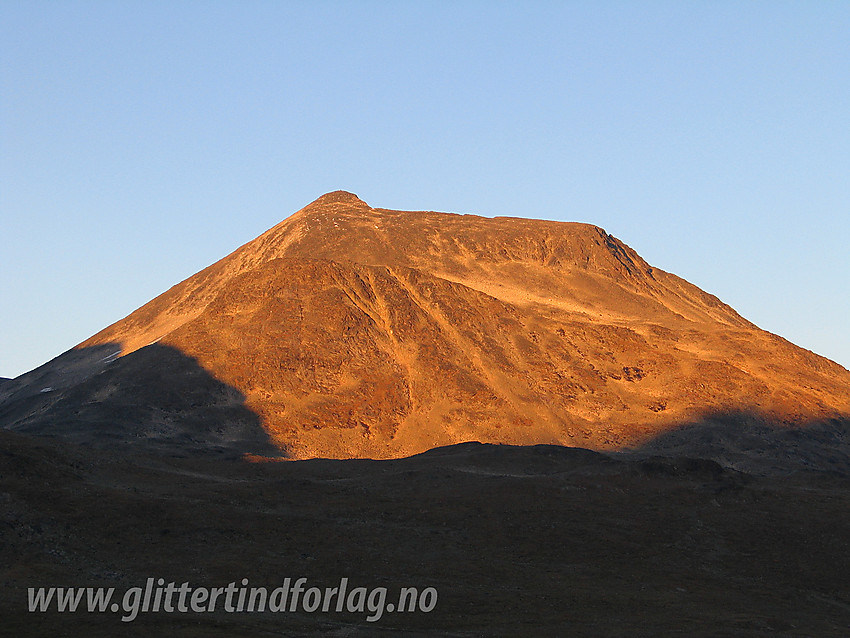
518 541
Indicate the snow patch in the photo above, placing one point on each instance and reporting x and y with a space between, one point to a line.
110 358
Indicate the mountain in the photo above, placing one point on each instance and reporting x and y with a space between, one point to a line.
352 331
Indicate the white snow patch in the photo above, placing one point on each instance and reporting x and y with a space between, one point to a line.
110 358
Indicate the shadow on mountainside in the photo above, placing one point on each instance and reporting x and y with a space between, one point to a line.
160 400
154 399
751 441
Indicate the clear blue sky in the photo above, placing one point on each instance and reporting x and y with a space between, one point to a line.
141 141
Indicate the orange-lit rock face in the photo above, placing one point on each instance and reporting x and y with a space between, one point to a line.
354 331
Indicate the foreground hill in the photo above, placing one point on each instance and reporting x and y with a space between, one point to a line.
518 541
349 331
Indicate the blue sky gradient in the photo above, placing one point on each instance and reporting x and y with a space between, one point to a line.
142 141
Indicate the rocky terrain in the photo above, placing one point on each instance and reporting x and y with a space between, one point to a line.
347 331
518 541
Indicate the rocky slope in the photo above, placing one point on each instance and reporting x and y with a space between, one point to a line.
349 331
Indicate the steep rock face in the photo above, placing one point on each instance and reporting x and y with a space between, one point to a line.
352 331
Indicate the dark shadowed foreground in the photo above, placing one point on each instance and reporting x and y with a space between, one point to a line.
518 541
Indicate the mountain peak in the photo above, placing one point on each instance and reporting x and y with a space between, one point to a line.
349 331
339 197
